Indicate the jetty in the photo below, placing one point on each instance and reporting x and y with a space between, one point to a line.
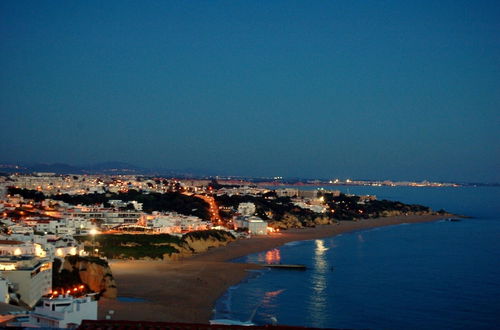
284 266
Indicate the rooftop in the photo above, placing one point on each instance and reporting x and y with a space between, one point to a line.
7 242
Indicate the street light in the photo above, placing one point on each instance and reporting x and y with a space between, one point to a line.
93 232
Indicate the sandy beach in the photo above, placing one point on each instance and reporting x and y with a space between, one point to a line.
186 290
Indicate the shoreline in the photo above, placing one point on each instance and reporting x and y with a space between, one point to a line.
186 290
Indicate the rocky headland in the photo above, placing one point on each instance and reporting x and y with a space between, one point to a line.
92 272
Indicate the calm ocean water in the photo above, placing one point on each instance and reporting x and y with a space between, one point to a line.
439 275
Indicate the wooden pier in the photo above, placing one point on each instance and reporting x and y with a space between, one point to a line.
283 266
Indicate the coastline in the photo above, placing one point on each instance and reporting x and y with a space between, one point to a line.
186 290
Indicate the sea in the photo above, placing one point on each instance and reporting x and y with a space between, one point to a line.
437 275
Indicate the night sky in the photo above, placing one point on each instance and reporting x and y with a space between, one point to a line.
347 89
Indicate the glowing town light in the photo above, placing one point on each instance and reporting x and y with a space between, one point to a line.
39 251
8 267
72 251
59 252
17 252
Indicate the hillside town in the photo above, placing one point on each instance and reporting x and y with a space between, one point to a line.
37 231
49 222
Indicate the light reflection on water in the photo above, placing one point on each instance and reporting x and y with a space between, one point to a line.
273 256
319 284
269 257
433 275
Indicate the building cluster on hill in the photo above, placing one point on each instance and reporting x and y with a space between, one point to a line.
53 184
172 223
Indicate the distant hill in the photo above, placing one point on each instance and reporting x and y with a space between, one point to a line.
61 168
108 168
115 167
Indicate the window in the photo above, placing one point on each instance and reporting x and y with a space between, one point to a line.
65 304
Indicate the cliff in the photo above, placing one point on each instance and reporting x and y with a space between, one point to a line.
202 241
196 243
290 220
93 272
160 246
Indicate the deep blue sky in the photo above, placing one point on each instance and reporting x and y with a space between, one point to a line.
360 89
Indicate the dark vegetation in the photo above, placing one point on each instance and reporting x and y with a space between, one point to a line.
96 260
137 246
346 207
219 235
269 208
27 193
342 207
134 246
170 201
64 279
215 185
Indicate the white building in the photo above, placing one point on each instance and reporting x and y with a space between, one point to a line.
245 190
75 224
4 290
246 209
46 225
171 223
163 223
31 276
64 246
60 226
21 229
255 225
117 203
108 217
63 312
137 205
313 207
16 248
287 192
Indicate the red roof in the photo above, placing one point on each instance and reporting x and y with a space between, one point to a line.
7 242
